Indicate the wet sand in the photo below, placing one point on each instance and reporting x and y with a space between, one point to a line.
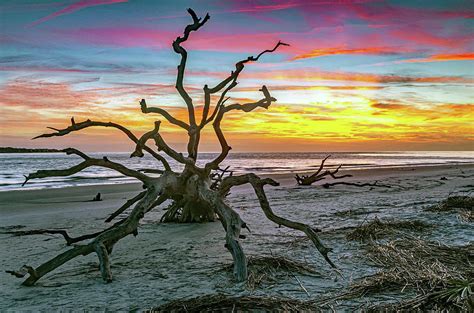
166 262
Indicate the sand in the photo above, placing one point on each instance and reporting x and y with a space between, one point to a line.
171 261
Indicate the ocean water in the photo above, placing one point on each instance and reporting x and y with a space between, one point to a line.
14 166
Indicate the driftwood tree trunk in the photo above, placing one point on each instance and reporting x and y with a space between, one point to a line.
196 194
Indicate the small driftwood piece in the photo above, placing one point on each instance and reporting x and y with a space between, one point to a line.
307 180
374 184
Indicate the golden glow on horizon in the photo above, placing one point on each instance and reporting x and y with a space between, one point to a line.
306 114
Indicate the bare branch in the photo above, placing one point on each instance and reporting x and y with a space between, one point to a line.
85 164
69 240
232 79
246 107
306 180
145 109
125 206
163 146
197 23
258 184
375 184
141 144
102 244
88 123
239 66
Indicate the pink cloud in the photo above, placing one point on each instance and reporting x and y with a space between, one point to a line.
75 7
33 95
146 37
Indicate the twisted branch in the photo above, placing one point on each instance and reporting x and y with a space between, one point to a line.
88 123
85 164
246 107
306 180
145 109
258 184
197 23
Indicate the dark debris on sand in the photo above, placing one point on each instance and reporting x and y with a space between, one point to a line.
440 275
224 303
377 228
463 205
264 270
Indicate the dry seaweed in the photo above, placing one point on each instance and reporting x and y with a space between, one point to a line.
442 276
457 296
466 215
463 205
224 303
272 269
377 228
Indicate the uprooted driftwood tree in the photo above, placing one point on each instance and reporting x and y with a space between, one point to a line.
308 180
194 193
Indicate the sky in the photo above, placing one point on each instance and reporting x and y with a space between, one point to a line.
358 75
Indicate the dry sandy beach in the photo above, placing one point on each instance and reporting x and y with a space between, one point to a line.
172 261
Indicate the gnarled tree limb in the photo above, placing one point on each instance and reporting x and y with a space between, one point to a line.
85 164
246 107
374 184
258 185
125 206
306 180
197 23
88 123
164 113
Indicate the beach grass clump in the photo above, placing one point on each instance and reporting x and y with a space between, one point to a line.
266 270
377 228
442 276
463 205
225 303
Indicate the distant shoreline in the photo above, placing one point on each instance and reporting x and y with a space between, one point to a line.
285 179
28 150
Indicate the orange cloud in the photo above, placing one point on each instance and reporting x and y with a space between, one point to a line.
340 50
312 75
32 95
443 58
306 75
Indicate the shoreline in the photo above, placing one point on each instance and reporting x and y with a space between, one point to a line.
73 199
283 178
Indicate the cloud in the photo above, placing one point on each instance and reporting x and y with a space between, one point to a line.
82 4
341 50
132 36
33 95
442 58
313 74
